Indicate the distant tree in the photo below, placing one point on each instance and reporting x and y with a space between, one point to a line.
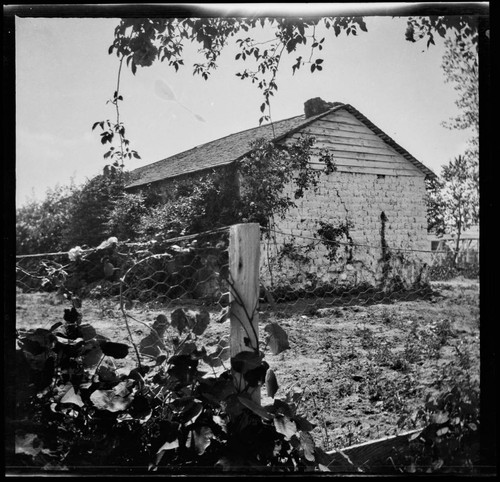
461 68
435 207
40 225
459 199
91 207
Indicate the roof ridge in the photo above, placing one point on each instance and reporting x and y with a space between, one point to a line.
297 122
191 149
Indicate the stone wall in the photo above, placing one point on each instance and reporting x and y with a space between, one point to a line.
385 217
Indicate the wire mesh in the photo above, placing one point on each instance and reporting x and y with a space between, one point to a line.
146 285
301 274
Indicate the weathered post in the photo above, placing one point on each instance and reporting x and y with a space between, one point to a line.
244 254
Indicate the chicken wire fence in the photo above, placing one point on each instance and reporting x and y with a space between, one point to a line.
186 273
301 274
297 274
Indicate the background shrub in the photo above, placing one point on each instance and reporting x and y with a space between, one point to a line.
40 225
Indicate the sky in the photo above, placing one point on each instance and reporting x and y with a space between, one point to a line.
64 77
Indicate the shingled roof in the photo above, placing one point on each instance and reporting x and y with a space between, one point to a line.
225 151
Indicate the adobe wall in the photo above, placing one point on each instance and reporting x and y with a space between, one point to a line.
375 258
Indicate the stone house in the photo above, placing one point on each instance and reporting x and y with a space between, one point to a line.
364 223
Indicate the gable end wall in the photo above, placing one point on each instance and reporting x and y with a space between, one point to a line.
371 179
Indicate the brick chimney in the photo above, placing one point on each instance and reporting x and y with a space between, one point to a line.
315 106
318 106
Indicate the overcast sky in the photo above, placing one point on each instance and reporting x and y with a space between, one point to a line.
64 76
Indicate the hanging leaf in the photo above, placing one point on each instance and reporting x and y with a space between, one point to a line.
245 361
307 444
108 400
285 426
140 408
124 388
71 397
202 438
303 424
91 353
222 353
256 376
192 412
271 383
202 321
440 417
107 374
87 332
255 408
169 446
217 389
179 321
159 360
277 338
55 326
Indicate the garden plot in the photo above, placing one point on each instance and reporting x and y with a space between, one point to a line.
362 371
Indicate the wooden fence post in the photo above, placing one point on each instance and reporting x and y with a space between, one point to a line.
244 255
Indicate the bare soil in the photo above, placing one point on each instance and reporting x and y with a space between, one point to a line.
363 370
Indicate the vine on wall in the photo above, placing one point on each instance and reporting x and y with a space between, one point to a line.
330 235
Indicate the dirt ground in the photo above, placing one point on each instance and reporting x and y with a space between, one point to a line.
363 370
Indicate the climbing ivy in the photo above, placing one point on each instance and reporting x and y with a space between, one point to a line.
330 234
269 169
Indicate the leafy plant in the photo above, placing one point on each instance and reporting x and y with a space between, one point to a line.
40 225
449 443
91 207
166 414
267 172
330 235
141 42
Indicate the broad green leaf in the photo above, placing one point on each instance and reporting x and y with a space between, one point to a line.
87 332
255 408
202 439
91 353
179 320
271 383
202 320
440 417
110 401
71 397
192 412
245 361
307 444
285 426
256 376
169 446
303 424
115 350
55 326
124 388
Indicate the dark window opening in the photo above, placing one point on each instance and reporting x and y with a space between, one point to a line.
380 176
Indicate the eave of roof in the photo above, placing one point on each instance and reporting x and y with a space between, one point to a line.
231 148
